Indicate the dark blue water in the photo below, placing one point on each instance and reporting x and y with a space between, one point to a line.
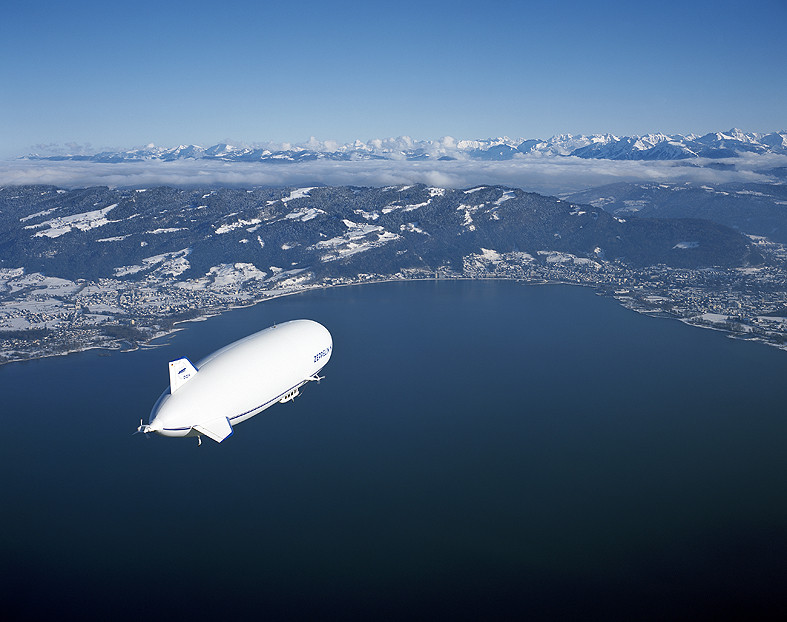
477 450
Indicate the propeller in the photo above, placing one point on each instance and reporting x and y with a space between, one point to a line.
142 429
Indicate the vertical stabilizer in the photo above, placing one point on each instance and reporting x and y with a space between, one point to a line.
180 372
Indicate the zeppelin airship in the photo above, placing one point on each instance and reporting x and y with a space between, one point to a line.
240 380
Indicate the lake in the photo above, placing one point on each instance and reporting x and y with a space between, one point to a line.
477 449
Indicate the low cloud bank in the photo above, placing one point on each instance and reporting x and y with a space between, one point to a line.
547 175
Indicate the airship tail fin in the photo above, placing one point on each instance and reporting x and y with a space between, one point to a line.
218 429
180 372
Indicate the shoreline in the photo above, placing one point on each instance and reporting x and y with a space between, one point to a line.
179 325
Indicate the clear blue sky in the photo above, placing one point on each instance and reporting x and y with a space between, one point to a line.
121 74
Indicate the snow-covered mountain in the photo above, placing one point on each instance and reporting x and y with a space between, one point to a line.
100 232
714 145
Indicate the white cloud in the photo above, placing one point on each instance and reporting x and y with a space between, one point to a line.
550 175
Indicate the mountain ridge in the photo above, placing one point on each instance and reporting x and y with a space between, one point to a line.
99 232
657 146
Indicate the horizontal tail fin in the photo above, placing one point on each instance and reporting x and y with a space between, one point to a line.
218 429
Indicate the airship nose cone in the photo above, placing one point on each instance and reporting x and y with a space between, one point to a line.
156 421
154 426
